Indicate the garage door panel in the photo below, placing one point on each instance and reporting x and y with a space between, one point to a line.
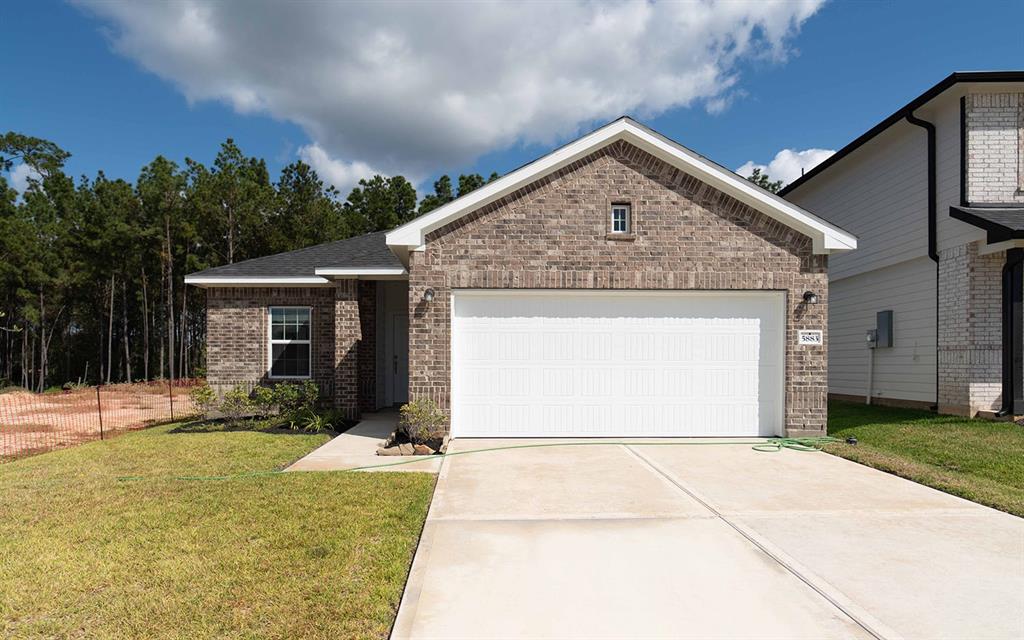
609 364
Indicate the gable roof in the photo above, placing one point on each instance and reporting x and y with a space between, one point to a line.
362 255
826 237
907 109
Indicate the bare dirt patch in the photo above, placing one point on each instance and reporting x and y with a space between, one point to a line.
34 423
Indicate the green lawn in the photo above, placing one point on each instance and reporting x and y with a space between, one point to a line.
979 460
310 555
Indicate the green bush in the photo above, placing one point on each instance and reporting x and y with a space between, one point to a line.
312 422
204 399
236 404
422 422
263 400
294 399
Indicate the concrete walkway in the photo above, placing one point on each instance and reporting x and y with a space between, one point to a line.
704 541
357 447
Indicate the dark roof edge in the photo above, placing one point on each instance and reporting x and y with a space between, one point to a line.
950 80
995 232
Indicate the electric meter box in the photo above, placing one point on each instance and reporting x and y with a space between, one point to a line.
883 329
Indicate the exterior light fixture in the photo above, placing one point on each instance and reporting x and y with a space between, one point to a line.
810 297
428 295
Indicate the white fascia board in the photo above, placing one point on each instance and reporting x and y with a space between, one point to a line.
255 281
826 237
356 271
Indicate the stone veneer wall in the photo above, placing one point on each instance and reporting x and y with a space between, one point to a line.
995 147
970 330
686 235
237 338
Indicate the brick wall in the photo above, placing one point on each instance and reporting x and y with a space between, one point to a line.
237 333
686 235
970 330
342 365
995 146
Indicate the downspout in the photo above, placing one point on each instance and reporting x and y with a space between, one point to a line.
933 244
1013 328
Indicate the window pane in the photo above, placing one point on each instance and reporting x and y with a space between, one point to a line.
276 316
290 360
277 332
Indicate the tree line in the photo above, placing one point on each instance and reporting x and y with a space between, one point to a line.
91 270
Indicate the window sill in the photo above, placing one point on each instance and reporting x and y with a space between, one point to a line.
620 237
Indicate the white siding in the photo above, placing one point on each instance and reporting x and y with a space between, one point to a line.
944 112
907 370
880 194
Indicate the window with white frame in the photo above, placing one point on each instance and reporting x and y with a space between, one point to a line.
289 342
620 218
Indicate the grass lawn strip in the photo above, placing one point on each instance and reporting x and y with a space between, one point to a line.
979 460
312 555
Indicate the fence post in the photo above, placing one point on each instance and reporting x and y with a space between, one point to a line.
170 394
99 410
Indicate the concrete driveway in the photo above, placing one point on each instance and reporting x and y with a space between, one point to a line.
717 541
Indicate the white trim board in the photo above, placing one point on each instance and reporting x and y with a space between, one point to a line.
357 271
256 281
827 238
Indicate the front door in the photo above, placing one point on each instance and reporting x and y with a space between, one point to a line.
397 378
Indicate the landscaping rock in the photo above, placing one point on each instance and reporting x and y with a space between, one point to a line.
398 450
422 450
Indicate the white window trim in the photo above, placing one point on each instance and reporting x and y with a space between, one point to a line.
629 217
271 342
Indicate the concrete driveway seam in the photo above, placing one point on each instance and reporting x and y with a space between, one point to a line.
831 594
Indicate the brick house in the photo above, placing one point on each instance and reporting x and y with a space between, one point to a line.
620 285
935 192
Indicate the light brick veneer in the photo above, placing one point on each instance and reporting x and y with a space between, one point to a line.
688 235
995 146
237 351
970 330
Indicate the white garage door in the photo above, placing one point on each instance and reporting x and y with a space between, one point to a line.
563 364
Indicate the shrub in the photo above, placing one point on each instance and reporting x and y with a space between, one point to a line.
293 399
203 399
263 401
236 404
422 422
312 422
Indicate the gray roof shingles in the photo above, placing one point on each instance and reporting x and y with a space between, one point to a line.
366 251
1001 223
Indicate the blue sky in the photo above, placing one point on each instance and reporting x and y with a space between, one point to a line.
88 78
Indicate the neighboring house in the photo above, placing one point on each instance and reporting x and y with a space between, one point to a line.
934 192
621 285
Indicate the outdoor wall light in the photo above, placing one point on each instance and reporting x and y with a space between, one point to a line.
428 295
810 297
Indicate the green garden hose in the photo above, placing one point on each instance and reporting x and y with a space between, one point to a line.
772 445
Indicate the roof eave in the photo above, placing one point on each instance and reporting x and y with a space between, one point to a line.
826 237
952 79
255 281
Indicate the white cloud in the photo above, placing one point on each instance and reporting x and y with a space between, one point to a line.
343 175
412 87
20 176
788 164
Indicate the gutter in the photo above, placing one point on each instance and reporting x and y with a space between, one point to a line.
933 244
947 82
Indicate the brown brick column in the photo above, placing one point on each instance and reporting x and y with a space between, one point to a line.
346 348
368 345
